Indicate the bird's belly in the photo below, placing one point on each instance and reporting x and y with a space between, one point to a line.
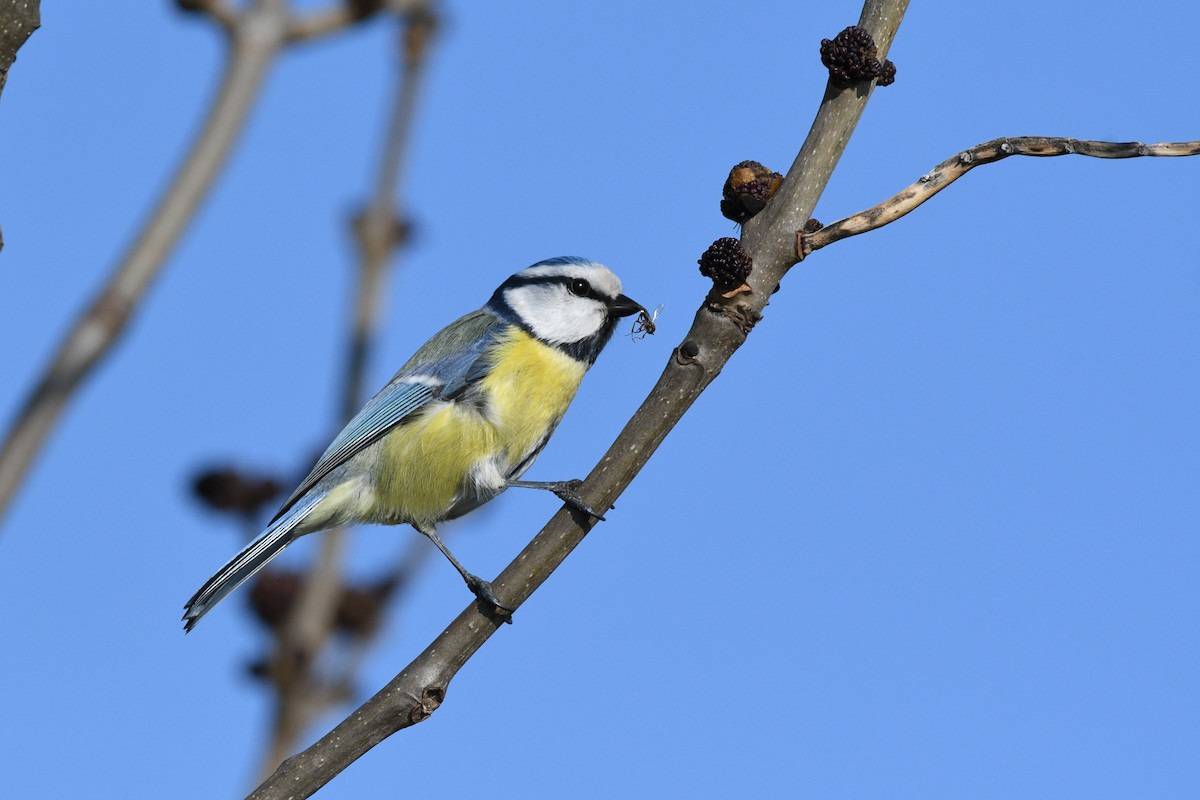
424 463
459 454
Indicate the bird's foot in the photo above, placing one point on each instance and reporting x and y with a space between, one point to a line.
568 494
566 491
483 592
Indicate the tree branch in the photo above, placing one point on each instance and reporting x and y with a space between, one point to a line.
719 328
101 325
955 167
18 20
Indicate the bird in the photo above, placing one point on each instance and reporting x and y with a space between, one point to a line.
458 424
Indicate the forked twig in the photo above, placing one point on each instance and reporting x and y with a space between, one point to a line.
960 164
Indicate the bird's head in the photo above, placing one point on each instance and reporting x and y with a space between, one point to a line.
569 303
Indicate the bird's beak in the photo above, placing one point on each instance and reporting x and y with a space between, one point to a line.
623 307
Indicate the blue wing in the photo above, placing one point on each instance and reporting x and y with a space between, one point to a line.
444 366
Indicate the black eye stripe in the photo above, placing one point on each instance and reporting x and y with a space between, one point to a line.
560 280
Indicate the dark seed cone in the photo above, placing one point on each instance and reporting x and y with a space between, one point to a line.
726 263
747 189
852 56
227 489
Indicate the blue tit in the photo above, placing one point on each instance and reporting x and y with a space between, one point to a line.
458 424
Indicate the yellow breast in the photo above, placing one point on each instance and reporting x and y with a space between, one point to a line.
425 463
528 389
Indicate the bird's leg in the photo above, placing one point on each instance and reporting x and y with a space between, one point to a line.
478 586
566 491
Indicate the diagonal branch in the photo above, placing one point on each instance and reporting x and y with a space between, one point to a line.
719 329
954 168
100 326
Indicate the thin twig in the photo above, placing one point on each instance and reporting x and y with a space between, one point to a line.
379 232
955 167
257 37
102 324
421 687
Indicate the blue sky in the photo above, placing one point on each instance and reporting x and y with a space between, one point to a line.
931 533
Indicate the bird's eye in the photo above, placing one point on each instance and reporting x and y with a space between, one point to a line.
580 287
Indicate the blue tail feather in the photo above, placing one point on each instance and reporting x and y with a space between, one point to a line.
241 567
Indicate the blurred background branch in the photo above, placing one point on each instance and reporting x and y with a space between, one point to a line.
255 35
320 600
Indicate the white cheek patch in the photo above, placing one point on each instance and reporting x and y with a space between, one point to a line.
554 314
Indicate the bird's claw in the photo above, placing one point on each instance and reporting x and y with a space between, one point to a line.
565 491
483 592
